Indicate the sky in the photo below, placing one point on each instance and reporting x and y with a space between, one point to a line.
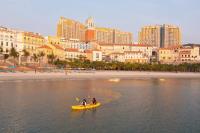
128 15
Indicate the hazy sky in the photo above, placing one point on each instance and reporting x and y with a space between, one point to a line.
128 15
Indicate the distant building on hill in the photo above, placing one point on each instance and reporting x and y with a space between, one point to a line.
88 32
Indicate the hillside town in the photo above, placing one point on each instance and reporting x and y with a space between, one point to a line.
76 41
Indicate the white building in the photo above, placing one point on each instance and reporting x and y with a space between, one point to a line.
119 57
8 39
71 53
189 54
96 55
135 57
76 44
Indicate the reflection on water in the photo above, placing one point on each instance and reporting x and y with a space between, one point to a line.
162 79
76 114
130 105
116 80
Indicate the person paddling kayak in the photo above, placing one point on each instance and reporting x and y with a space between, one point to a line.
94 101
84 103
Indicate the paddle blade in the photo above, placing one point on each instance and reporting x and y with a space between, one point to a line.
77 99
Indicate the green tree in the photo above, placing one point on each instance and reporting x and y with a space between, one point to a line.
26 54
5 56
51 58
35 57
41 56
1 50
14 54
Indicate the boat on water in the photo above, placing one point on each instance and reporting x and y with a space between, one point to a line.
88 106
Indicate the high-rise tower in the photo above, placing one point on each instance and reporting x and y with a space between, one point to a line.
160 35
90 30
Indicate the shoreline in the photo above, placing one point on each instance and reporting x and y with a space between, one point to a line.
95 75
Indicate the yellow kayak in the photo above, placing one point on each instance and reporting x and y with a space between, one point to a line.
88 106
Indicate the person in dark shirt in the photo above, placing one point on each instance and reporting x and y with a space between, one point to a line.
94 101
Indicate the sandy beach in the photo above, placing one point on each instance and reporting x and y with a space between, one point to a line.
95 74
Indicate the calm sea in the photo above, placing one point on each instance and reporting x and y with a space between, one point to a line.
128 106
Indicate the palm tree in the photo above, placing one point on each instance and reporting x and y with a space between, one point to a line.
82 58
35 57
1 50
41 55
5 56
14 53
51 58
26 54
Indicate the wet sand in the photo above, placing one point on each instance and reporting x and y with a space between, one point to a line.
96 74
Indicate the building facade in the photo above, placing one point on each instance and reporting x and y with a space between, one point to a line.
163 36
177 55
88 32
8 39
70 29
29 41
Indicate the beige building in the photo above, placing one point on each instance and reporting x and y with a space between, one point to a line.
168 55
150 35
72 53
113 36
30 41
108 49
93 55
70 29
177 55
135 57
129 56
119 57
189 54
163 36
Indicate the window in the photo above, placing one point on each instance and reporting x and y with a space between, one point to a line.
6 43
11 44
97 55
2 43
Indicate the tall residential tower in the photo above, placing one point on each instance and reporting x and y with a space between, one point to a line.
70 29
160 36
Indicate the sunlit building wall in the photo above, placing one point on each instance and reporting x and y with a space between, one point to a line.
70 29
163 36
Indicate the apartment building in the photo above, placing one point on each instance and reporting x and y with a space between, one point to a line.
8 39
163 36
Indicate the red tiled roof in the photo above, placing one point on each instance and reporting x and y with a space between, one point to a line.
186 48
117 54
166 48
133 52
88 51
58 47
139 45
185 52
45 46
171 48
31 34
71 50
